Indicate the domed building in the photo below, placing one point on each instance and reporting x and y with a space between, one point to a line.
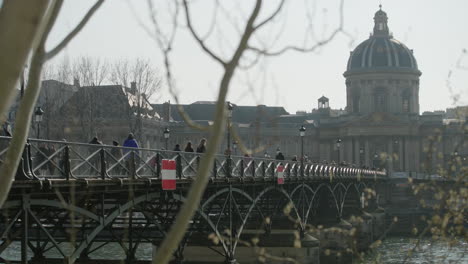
380 127
382 74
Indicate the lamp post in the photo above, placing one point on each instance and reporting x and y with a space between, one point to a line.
229 108
234 146
38 118
361 155
338 146
376 159
302 131
166 133
265 155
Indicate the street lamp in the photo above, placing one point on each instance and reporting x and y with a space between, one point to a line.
166 135
234 146
38 118
302 131
338 146
229 108
265 154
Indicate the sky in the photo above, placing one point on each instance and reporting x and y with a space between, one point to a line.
435 30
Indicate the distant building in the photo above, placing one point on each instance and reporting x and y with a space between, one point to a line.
109 112
381 125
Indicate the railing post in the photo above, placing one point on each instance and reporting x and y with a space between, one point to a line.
253 168
102 155
158 165
263 169
179 166
215 173
132 165
66 163
228 166
273 167
242 168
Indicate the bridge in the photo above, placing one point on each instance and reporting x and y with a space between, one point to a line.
75 199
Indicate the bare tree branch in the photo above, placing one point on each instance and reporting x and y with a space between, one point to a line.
271 17
197 38
74 32
23 117
15 51
188 209
312 48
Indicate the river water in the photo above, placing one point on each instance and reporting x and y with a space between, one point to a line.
393 250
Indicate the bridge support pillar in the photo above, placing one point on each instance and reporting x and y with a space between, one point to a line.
25 229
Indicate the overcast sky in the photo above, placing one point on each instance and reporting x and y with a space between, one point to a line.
435 30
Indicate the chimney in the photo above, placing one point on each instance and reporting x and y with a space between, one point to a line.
133 88
76 82
166 111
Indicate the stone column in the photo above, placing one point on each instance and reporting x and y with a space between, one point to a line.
407 142
417 149
348 151
390 155
401 145
357 155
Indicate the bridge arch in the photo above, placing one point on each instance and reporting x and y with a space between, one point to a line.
254 204
124 208
323 187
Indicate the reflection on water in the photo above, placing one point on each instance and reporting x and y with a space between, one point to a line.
392 251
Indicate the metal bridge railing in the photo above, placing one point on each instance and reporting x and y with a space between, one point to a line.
49 159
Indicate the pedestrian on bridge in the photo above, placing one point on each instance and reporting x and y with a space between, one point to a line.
279 156
188 147
177 147
130 142
202 146
95 160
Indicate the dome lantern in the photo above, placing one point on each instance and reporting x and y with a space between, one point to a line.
380 23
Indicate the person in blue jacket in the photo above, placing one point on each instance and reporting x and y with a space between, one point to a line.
130 142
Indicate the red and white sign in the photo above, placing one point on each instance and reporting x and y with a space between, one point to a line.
168 174
280 177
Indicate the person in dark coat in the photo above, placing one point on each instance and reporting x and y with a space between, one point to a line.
177 147
294 158
202 146
279 156
95 160
188 147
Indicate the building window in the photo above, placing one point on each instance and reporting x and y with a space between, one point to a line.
380 100
406 105
406 96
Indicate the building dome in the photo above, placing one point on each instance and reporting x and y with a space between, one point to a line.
381 52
